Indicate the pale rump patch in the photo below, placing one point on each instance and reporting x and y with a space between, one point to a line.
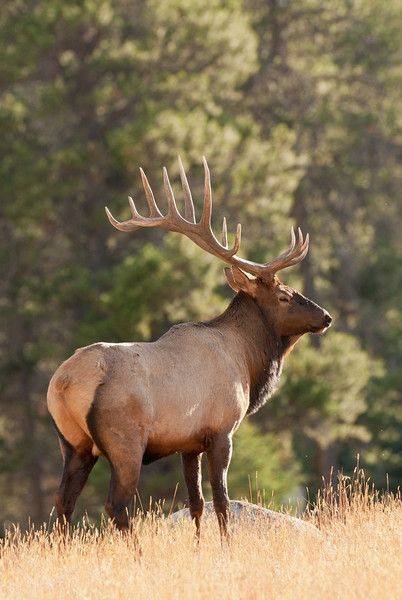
71 392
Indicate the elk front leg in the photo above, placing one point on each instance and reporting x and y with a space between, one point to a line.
124 453
219 455
122 489
192 475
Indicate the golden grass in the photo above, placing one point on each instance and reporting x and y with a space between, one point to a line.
357 555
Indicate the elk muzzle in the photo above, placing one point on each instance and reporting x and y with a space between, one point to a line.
325 321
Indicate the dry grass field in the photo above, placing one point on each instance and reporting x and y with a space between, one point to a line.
357 554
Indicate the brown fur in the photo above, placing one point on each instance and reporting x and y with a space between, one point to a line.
187 392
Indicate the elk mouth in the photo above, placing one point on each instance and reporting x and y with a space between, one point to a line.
324 326
319 329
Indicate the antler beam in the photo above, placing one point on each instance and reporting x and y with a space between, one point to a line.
201 233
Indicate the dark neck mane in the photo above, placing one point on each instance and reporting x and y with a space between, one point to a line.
264 349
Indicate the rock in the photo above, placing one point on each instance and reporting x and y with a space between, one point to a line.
240 510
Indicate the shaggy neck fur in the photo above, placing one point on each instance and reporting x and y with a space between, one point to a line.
264 349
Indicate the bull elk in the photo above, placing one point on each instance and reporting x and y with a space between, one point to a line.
188 391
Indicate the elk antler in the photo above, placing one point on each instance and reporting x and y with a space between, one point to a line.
201 233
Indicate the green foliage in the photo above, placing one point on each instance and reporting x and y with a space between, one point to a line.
324 389
263 466
158 286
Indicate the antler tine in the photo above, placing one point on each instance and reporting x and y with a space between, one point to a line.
124 226
307 242
153 207
172 212
296 252
300 240
224 233
292 241
237 242
301 252
137 221
294 247
222 250
189 213
300 247
235 248
133 209
207 211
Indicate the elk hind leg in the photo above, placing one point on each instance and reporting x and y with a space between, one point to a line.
219 455
193 478
78 463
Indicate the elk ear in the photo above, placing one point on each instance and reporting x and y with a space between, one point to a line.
240 281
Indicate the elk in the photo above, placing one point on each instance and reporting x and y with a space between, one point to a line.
188 391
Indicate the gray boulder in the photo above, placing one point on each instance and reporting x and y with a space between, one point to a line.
252 513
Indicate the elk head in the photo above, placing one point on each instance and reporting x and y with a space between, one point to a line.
288 311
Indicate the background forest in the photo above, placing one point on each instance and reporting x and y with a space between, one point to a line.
298 107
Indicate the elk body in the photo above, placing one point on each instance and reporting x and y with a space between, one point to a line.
188 391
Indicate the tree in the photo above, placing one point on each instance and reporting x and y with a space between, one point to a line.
328 72
322 398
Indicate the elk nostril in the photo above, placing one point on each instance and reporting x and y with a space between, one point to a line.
327 319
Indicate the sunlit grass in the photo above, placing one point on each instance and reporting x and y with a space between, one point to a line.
356 555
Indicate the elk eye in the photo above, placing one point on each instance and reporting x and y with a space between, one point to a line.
284 299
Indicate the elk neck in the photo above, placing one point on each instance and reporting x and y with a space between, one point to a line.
252 335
